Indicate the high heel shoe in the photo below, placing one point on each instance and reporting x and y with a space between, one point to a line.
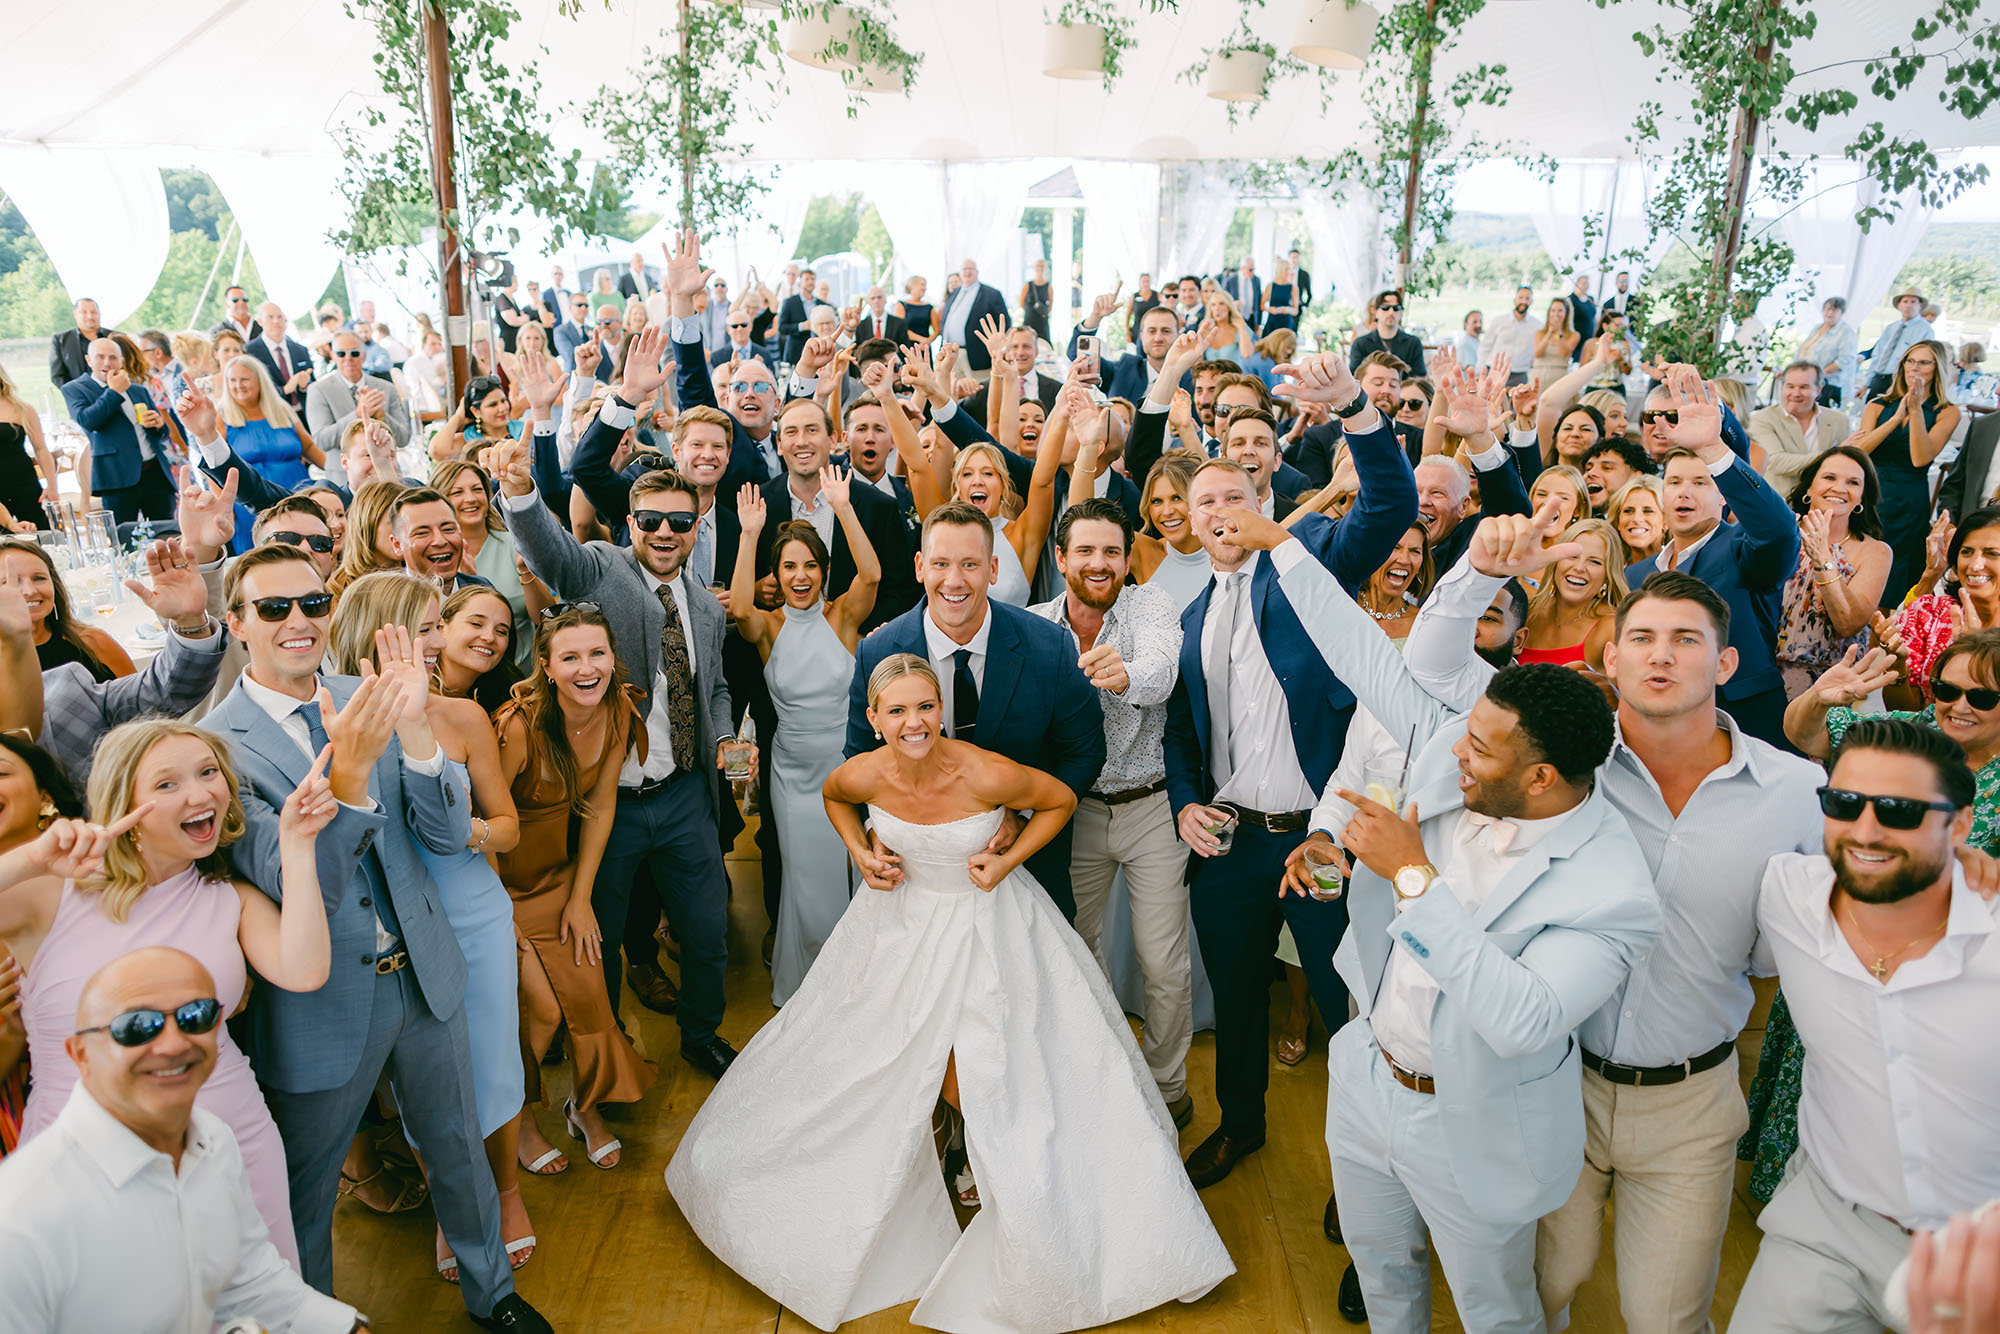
598 1154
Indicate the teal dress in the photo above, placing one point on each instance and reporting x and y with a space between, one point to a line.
1774 1094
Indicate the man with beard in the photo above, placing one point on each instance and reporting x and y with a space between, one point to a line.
1889 963
1443 485
1387 336
1129 639
1608 465
1381 376
750 391
1514 333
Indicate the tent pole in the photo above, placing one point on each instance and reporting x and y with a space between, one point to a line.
1426 44
444 182
195 315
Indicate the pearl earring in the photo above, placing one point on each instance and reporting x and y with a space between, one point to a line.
878 736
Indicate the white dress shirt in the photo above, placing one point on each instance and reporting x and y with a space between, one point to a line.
659 731
939 648
1470 870
1902 1078
100 1233
1144 626
1514 335
1265 774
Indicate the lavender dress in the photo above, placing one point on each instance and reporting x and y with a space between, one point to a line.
198 917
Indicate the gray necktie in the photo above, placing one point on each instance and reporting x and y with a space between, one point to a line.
1223 610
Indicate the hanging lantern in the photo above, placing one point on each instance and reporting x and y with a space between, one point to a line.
809 37
1335 33
1237 76
1072 50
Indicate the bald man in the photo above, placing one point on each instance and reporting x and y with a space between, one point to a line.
130 436
132 1211
284 357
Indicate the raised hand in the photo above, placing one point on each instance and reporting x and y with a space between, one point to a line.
1698 413
310 807
542 379
750 509
1181 356
876 377
1854 678
403 667
588 354
1443 364
994 336
1104 305
1965 618
507 461
836 485
1181 415
1524 398
16 621
644 372
197 414
685 275
815 355
207 517
359 734
1322 377
74 849
1937 547
1464 403
177 594
1506 546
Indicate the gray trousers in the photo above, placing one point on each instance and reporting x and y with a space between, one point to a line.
430 1067
1823 1263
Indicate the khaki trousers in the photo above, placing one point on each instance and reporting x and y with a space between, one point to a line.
1138 837
1667 1155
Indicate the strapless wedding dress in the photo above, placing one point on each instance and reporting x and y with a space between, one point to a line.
811 1169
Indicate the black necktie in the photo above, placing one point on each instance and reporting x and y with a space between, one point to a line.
964 697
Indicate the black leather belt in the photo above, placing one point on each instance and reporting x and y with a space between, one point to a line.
1646 1076
650 786
1130 793
1271 822
391 963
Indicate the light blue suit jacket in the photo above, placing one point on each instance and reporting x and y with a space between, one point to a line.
307 1042
1551 943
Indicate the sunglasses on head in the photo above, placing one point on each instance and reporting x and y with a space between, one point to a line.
316 606
136 1028
1671 416
319 542
1838 803
649 521
555 609
1947 693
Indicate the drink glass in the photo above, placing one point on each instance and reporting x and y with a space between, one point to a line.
1323 868
1224 830
736 760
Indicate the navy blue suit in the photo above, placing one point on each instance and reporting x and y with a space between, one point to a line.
120 476
1036 707
296 359
987 301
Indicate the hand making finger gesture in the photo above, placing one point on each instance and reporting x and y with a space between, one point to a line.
1507 546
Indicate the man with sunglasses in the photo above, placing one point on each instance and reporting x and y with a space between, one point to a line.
1708 804
1387 335
350 393
737 346
573 329
132 1211
394 1000
1890 967
237 317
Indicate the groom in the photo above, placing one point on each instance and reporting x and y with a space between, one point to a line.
1010 679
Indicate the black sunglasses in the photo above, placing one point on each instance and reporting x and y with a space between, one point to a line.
1671 416
1838 803
1947 693
135 1028
555 609
1395 308
347 352
1409 403
316 606
649 521
319 542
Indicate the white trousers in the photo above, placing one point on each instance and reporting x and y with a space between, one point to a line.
1823 1263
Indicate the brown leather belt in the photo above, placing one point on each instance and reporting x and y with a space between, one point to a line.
1271 822
1649 1076
1409 1078
1130 793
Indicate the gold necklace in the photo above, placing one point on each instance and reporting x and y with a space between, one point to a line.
1880 968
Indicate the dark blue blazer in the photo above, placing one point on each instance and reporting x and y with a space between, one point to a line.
296 359
721 355
114 438
1036 707
694 386
986 301
1748 561
1124 376
1321 706
569 335
1500 492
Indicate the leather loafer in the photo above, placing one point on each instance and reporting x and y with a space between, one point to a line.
1182 1110
652 988
711 1055
1218 1154
1352 1309
1332 1222
513 1313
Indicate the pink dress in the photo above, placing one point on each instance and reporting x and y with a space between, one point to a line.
190 914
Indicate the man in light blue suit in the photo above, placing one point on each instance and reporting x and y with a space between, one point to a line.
393 999
1485 923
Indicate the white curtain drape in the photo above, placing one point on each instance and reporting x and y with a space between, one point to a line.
1351 246
1834 257
1121 223
100 213
982 210
769 235
286 206
909 196
1204 206
1591 214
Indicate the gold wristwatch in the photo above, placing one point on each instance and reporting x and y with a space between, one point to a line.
1411 881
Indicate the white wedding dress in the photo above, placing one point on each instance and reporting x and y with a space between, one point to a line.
811 1170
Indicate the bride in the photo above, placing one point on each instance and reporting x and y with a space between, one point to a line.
811 1170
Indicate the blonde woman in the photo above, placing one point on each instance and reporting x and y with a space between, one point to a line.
366 547
1638 510
194 361
1903 431
21 491
261 427
1225 334
1570 615
154 870
375 616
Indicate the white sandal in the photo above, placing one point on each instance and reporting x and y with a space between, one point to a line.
542 1162
598 1154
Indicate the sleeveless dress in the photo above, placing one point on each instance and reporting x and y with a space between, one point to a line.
482 921
538 874
1552 366
273 451
20 484
1807 645
918 318
1278 294
1562 657
811 1171
1012 586
1905 504
1183 576
809 673
192 914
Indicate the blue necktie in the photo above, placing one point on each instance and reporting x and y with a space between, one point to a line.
371 860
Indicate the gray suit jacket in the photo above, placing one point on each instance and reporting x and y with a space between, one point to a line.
307 1042
78 710
612 578
330 406
1551 943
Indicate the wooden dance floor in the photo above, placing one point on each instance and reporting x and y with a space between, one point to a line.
614 1253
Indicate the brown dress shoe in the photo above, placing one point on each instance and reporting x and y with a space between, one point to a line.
1218 1154
652 988
1182 1110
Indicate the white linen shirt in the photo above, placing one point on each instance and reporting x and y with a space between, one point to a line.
100 1233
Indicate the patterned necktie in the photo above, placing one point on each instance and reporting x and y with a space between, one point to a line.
1499 831
675 663
964 698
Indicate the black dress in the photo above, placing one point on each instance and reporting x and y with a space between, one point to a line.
760 326
20 484
917 319
1036 302
58 651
